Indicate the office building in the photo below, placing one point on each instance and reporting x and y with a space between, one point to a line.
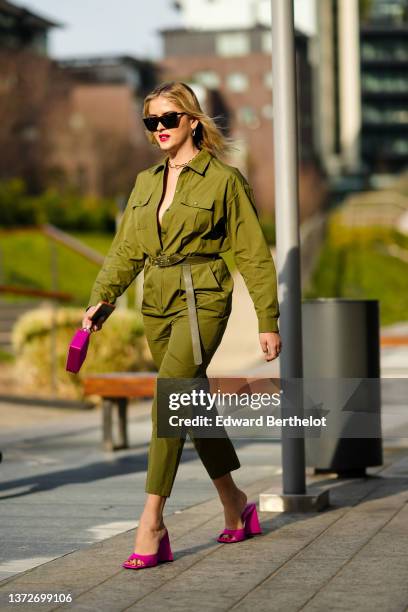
361 82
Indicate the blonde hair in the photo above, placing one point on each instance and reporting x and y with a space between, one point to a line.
207 134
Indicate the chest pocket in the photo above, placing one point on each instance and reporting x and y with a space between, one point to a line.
140 211
197 214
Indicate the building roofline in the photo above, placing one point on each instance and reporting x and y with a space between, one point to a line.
259 26
99 59
33 19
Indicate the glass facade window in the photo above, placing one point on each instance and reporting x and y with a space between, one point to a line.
384 50
266 42
392 116
39 43
208 78
385 82
267 111
230 44
400 147
387 11
237 82
268 79
247 116
378 145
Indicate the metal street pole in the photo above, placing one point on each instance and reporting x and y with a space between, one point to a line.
294 497
285 136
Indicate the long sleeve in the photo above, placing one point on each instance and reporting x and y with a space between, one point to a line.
121 265
251 252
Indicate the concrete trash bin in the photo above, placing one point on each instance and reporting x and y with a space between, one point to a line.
341 341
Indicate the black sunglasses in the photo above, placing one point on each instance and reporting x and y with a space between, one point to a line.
169 120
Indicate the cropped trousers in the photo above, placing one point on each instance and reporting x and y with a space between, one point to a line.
169 340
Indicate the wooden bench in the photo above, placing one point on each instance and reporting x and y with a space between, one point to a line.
116 389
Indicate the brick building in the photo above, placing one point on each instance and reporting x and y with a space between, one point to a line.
69 124
21 29
234 65
104 146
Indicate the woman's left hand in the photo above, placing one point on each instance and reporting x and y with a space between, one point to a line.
271 345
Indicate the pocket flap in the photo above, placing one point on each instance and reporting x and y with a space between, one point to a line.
139 199
200 203
140 202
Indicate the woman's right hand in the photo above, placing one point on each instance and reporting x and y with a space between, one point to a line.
88 323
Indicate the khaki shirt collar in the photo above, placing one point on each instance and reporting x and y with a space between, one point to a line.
199 163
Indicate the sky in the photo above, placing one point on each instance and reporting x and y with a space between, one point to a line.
119 26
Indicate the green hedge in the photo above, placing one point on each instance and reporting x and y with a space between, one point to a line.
71 211
119 346
354 263
67 211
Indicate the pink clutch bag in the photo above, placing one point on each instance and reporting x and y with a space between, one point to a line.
78 349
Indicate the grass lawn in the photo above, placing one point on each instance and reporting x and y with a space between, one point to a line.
361 271
99 242
26 262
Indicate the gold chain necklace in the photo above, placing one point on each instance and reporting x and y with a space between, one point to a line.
177 166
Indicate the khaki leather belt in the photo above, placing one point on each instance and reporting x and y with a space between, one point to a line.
162 261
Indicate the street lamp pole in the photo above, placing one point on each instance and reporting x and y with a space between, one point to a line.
285 134
287 225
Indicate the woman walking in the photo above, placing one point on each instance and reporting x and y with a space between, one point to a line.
182 213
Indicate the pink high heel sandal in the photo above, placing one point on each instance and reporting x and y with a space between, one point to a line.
251 527
163 554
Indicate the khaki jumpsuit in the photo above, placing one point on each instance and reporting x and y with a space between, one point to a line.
212 211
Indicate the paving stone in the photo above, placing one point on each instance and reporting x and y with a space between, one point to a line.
358 534
338 559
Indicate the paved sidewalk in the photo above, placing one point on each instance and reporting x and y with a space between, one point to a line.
352 556
59 491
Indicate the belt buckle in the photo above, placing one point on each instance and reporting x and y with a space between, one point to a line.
162 260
